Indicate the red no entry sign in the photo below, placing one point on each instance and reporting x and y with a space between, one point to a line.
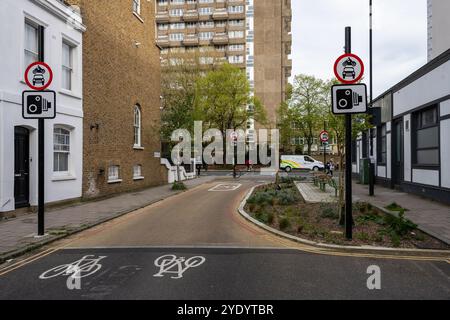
349 68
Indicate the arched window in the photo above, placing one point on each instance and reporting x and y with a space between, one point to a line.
137 126
61 150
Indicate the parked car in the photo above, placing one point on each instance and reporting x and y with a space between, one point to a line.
290 162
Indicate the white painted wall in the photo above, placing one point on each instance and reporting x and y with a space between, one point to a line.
428 88
54 17
407 147
388 150
381 171
445 108
172 173
445 153
428 177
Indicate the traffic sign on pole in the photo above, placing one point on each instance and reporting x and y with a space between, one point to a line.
349 99
324 136
39 76
39 104
349 68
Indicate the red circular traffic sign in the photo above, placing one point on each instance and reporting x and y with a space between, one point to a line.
39 76
324 136
349 65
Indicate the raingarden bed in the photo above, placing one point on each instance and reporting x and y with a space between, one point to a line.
281 206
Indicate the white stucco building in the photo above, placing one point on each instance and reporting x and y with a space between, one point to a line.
410 143
49 31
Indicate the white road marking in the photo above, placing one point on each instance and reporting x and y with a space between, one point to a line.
88 265
170 264
224 187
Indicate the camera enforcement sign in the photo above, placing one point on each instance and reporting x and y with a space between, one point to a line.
39 104
351 98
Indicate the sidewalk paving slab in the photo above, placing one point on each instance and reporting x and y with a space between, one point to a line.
18 233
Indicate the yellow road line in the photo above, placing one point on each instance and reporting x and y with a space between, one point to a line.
331 252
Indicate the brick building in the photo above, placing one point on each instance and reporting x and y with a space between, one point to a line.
121 68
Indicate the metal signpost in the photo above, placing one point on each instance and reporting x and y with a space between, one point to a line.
347 99
39 104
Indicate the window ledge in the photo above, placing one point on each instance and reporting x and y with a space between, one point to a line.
70 94
63 178
138 17
138 178
138 148
115 181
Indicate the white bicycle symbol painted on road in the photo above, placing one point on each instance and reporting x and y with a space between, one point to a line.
172 265
86 266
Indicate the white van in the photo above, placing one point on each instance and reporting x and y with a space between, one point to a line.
288 163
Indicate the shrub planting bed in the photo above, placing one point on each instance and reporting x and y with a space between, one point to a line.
281 206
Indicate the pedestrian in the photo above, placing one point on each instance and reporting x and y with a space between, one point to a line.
327 168
331 167
248 163
199 167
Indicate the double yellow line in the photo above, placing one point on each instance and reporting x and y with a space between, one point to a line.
331 252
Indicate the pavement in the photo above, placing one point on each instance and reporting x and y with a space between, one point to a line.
312 193
19 233
196 246
431 216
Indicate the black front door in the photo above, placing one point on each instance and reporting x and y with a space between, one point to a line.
397 153
21 167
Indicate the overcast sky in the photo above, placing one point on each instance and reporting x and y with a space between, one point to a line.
400 37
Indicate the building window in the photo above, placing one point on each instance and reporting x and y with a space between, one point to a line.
137 6
137 126
61 150
381 145
32 39
426 138
67 66
137 172
114 174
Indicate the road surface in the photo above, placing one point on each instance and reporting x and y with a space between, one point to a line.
195 246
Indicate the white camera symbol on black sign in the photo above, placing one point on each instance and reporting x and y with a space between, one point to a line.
36 104
347 99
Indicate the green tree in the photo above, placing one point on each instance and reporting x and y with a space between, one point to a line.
224 101
309 104
178 88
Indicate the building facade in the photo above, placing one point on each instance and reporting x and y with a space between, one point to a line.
121 97
408 145
49 31
438 27
253 35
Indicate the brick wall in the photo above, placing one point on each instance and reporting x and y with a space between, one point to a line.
117 75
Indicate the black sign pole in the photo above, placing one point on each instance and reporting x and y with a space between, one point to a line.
41 195
348 154
323 144
41 173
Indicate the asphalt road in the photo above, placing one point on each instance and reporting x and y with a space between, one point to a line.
195 246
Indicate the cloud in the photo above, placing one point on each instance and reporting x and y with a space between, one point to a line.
400 37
